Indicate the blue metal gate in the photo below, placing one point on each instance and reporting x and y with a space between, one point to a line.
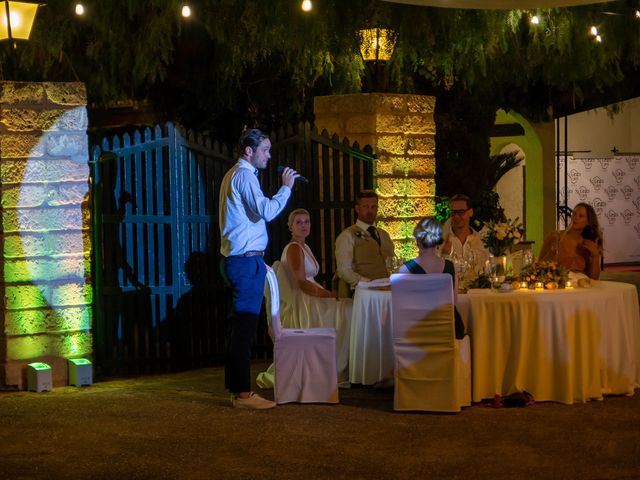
160 301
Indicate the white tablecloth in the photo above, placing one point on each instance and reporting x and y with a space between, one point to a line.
560 345
371 346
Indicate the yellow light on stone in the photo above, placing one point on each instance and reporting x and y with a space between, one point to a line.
21 17
377 44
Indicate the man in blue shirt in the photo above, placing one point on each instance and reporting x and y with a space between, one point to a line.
243 213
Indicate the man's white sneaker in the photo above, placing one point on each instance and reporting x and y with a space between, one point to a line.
253 401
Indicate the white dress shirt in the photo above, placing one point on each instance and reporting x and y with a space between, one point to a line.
243 210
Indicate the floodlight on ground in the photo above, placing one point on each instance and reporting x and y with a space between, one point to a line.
80 372
39 377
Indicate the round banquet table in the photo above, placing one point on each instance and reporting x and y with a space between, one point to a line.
560 345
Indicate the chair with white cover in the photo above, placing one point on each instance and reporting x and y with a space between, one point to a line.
432 370
305 359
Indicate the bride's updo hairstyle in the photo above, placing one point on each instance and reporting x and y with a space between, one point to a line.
428 233
295 213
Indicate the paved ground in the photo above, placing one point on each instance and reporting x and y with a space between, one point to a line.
180 426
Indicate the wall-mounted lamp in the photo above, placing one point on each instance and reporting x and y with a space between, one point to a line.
16 19
377 44
376 47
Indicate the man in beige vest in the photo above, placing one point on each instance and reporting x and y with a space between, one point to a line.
362 249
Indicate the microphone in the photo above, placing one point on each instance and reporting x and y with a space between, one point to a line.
281 168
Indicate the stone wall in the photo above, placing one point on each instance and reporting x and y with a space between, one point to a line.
401 130
45 241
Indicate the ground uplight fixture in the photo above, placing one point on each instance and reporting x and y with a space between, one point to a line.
39 377
80 372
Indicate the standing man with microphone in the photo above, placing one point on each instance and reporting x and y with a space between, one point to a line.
243 213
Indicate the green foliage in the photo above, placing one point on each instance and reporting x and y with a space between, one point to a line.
264 61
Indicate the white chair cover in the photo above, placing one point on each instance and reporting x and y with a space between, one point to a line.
305 359
430 369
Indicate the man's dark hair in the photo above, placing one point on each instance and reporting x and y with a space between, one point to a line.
366 194
462 198
251 137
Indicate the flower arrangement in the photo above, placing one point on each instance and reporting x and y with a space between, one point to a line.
500 237
550 274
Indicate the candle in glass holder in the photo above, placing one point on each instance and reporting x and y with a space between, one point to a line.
539 286
524 285
568 284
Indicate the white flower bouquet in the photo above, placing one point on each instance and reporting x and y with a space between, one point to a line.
500 237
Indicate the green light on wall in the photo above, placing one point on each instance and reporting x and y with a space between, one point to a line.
46 264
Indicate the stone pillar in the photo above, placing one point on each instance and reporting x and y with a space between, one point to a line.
45 240
401 130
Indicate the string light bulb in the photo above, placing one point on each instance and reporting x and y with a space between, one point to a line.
637 13
535 20
306 5
594 31
598 39
79 9
186 11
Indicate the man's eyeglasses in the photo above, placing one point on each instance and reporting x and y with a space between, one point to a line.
459 213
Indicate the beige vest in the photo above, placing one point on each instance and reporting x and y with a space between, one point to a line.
368 260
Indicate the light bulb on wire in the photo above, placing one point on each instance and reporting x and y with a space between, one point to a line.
306 6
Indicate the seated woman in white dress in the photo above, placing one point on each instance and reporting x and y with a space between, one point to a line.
304 303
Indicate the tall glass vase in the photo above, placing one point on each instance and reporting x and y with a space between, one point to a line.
497 270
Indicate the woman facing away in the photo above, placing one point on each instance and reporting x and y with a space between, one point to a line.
428 235
304 303
579 247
